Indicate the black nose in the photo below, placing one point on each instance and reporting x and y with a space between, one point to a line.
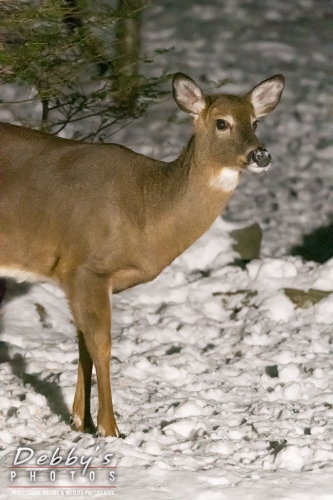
260 156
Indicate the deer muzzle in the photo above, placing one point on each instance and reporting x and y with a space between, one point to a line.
258 160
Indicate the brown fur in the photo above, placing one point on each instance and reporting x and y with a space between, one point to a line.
95 218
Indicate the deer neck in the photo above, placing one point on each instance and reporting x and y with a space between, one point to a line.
191 197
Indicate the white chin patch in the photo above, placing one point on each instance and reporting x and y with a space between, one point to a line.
253 167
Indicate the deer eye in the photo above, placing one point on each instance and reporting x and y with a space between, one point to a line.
221 124
255 125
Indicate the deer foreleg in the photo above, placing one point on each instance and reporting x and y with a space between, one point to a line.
88 296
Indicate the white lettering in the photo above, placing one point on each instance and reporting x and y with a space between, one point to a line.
106 458
41 459
19 451
56 460
86 463
71 460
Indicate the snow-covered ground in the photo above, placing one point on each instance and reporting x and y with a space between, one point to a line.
223 388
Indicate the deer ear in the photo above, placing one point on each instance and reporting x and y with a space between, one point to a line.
266 96
188 95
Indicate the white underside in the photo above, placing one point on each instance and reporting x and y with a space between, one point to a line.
20 275
227 180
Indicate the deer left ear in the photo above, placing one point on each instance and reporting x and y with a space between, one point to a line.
266 96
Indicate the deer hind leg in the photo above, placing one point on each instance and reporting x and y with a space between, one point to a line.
88 297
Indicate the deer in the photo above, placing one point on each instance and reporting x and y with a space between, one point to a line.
97 219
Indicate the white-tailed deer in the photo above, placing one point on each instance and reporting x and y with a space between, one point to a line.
98 218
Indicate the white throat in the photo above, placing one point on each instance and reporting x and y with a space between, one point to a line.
227 180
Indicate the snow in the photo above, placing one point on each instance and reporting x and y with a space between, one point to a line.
290 458
222 387
324 311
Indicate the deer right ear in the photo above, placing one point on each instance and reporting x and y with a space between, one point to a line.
188 95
